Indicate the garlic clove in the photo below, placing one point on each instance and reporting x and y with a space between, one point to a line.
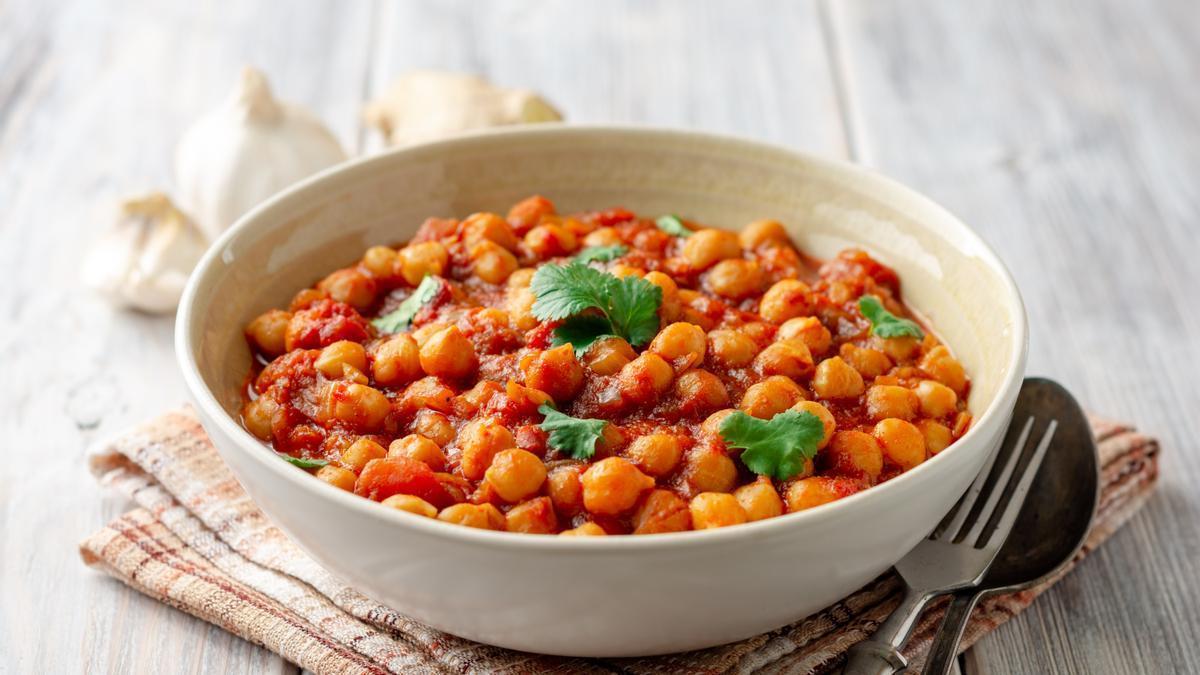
251 147
143 261
425 105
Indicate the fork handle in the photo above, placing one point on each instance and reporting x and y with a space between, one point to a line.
949 634
880 654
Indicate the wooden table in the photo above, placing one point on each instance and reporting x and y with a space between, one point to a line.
1066 132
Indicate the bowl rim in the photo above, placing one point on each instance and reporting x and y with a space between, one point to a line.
355 169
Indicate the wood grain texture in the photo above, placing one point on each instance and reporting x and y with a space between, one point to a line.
1065 132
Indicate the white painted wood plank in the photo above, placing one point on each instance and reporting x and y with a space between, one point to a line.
92 98
1065 132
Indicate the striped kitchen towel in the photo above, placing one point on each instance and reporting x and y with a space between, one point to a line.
197 542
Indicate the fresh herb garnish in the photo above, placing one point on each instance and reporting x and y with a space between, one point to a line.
401 319
592 304
601 253
571 435
778 447
884 324
302 462
672 225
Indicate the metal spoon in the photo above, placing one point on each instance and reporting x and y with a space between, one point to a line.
1052 524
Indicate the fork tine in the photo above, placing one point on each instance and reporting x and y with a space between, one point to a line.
997 536
998 488
967 503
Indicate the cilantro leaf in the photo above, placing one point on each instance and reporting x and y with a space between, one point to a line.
601 253
302 462
401 319
672 225
778 447
884 324
571 435
581 331
625 307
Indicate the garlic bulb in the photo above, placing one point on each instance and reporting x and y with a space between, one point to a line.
144 261
424 105
251 147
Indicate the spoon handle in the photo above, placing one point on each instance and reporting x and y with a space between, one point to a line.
945 645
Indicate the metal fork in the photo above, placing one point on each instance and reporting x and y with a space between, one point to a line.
960 550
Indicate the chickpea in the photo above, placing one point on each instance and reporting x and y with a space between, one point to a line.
422 334
834 378
492 262
555 371
785 300
613 485
671 308
644 379
428 392
342 352
711 426
448 354
735 279
814 491
763 232
899 348
945 369
360 452
705 248
903 443
480 226
708 469
655 454
337 476
682 344
588 529
810 331
479 441
759 499
411 504
435 426
351 287
479 516
527 212
789 357
551 241
868 362
699 391
515 474
470 401
259 416
771 396
937 436
936 399
621 270
416 261
603 236
380 261
715 509
520 307
357 405
267 332
608 356
306 298
565 489
521 278
535 516
662 511
854 453
889 400
397 361
731 348
822 413
419 448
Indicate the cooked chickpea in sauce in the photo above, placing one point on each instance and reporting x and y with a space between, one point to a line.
463 377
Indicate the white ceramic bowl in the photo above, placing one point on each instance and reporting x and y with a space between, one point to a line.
603 596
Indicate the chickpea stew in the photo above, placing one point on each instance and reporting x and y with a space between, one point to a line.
601 373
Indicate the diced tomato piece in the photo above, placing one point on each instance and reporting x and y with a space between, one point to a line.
324 323
382 478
